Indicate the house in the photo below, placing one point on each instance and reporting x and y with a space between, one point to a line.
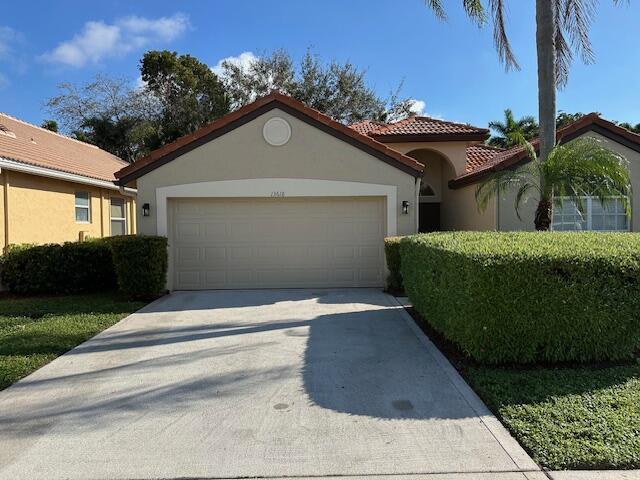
54 188
277 194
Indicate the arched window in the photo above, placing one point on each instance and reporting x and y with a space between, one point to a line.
426 190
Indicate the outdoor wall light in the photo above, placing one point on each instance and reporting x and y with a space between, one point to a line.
405 207
145 209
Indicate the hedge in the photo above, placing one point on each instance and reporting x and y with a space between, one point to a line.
392 254
135 265
54 268
528 297
140 264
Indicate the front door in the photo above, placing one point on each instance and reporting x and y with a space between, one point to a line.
429 217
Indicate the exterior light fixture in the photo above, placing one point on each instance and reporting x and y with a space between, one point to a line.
145 209
405 207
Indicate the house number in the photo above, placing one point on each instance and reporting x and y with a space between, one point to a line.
277 194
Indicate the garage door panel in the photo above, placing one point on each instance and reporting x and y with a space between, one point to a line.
262 243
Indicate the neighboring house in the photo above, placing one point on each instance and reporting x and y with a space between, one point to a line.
277 194
55 189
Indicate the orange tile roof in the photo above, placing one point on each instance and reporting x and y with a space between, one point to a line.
420 125
479 154
367 126
26 143
506 158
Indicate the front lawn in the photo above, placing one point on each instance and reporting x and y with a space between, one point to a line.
569 417
35 330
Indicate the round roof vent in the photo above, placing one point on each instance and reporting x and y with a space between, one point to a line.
276 131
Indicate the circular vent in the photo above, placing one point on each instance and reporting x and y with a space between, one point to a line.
276 131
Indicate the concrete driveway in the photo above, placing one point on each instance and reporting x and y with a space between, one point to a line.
269 383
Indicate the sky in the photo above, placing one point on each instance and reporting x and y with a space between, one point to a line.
450 68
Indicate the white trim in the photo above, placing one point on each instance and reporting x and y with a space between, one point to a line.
87 206
47 172
277 187
118 219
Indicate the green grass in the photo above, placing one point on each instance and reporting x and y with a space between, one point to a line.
567 418
35 330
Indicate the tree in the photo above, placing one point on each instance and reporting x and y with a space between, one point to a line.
338 90
512 132
579 168
109 113
50 125
562 28
632 128
190 94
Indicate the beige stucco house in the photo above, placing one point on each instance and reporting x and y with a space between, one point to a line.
55 189
279 195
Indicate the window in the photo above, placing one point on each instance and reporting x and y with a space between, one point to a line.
609 217
83 207
118 216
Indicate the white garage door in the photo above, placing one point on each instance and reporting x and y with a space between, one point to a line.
278 242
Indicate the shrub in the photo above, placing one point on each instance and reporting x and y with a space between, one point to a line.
392 254
141 264
54 268
528 297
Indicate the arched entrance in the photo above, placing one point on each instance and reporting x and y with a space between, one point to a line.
435 168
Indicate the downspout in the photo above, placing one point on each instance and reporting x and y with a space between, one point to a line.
417 207
5 182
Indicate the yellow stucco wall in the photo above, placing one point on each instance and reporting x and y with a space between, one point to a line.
38 209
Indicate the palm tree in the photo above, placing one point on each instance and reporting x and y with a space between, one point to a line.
580 168
512 132
562 29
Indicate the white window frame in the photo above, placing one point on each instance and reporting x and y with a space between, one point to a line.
588 213
118 219
87 207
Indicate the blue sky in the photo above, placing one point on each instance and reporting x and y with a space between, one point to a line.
452 67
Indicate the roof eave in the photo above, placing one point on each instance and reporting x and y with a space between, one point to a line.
261 106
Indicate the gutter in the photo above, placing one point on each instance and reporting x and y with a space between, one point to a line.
57 174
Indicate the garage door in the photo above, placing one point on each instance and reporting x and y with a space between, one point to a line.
277 242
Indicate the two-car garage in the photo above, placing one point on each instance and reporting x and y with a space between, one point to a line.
277 242
275 195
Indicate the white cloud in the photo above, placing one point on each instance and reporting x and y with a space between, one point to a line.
8 37
99 40
4 81
417 106
244 61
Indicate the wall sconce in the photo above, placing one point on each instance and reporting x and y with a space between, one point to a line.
405 207
146 209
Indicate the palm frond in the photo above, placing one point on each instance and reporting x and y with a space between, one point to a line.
475 10
501 182
438 9
500 38
584 167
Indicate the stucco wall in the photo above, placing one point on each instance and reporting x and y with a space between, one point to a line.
458 208
243 154
42 210
508 220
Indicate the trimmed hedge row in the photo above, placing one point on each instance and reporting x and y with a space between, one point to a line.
528 297
392 254
95 265
141 264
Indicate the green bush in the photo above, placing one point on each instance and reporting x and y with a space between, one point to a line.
528 297
141 264
392 254
54 268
